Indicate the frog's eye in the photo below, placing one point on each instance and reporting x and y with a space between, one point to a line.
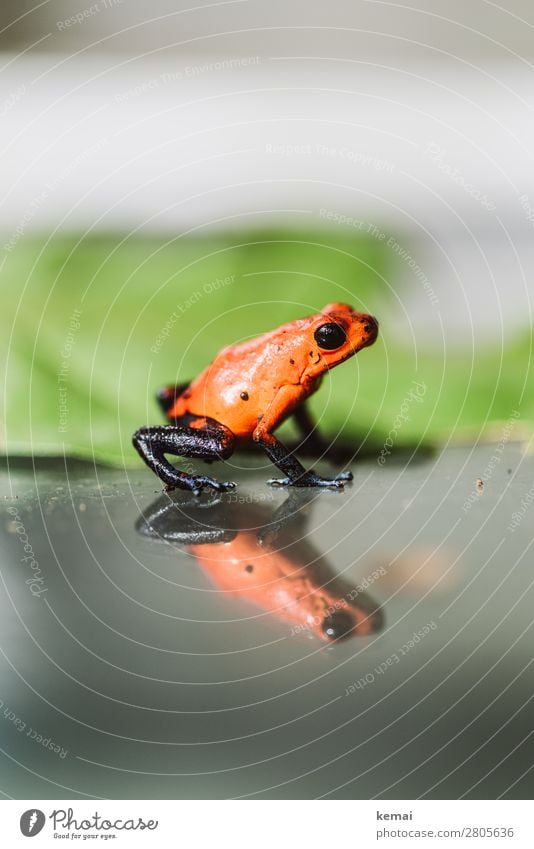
338 625
330 336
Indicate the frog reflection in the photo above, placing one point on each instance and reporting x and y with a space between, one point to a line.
267 561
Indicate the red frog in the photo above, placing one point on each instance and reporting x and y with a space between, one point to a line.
247 392
262 564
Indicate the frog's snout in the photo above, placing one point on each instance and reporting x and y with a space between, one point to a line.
338 625
369 328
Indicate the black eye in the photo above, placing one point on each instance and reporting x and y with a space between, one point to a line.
338 625
330 336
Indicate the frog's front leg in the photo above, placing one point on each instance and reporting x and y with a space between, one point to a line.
289 397
291 516
204 439
314 444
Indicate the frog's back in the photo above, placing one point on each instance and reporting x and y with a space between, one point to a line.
242 381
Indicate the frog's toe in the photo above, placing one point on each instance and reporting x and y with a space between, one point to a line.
201 482
310 480
225 486
330 483
344 476
279 482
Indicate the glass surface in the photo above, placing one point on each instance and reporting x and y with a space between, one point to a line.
137 662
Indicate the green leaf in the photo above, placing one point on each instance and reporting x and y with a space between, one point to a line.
90 328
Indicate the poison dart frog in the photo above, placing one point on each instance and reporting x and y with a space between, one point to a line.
266 561
246 393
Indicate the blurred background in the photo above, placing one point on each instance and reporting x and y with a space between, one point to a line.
366 151
177 177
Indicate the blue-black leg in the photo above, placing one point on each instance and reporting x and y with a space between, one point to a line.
210 441
178 520
168 395
314 443
296 474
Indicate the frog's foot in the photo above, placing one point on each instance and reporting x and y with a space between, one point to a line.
196 483
210 441
344 476
312 479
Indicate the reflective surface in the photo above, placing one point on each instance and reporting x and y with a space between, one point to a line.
380 645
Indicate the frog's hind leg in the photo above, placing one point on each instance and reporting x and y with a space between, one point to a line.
168 395
178 520
314 444
197 438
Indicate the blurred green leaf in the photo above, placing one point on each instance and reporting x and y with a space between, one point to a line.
91 328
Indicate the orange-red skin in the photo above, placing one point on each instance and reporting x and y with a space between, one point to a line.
292 588
270 376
